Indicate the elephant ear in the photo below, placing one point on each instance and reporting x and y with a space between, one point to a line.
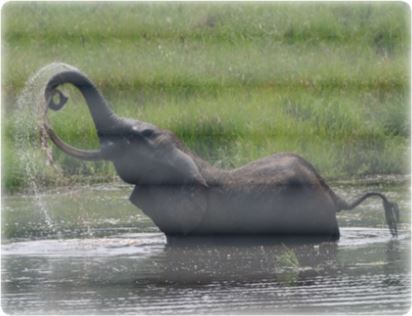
176 210
186 168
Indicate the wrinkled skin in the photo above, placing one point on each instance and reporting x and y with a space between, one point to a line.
185 195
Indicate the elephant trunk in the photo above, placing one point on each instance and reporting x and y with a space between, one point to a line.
103 117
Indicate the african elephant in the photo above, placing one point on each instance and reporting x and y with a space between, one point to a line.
184 195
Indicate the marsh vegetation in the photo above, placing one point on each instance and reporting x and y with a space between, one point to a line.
235 82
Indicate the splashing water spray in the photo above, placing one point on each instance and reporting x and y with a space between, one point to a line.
31 138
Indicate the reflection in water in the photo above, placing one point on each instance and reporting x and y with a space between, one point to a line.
393 253
244 258
142 273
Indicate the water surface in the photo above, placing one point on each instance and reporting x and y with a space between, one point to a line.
109 267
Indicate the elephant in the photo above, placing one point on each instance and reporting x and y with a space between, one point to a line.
184 195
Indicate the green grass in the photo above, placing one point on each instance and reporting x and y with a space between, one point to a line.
235 81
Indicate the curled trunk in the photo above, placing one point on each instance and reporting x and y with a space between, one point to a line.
103 117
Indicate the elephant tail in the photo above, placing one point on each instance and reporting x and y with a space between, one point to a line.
391 208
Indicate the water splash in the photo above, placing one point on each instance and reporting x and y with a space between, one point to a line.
140 244
126 244
30 137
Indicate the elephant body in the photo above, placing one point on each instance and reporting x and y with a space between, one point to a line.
277 195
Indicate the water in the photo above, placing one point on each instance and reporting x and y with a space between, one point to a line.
112 260
32 109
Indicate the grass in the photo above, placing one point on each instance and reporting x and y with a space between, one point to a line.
235 82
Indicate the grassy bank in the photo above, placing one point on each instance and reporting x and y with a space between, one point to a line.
235 81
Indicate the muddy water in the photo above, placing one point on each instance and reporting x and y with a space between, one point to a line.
121 270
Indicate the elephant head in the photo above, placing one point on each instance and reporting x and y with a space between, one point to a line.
141 152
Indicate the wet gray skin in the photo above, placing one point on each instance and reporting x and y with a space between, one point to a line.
112 260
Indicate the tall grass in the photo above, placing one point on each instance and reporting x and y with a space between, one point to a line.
235 81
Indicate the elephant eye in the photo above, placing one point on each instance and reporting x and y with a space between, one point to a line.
148 133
